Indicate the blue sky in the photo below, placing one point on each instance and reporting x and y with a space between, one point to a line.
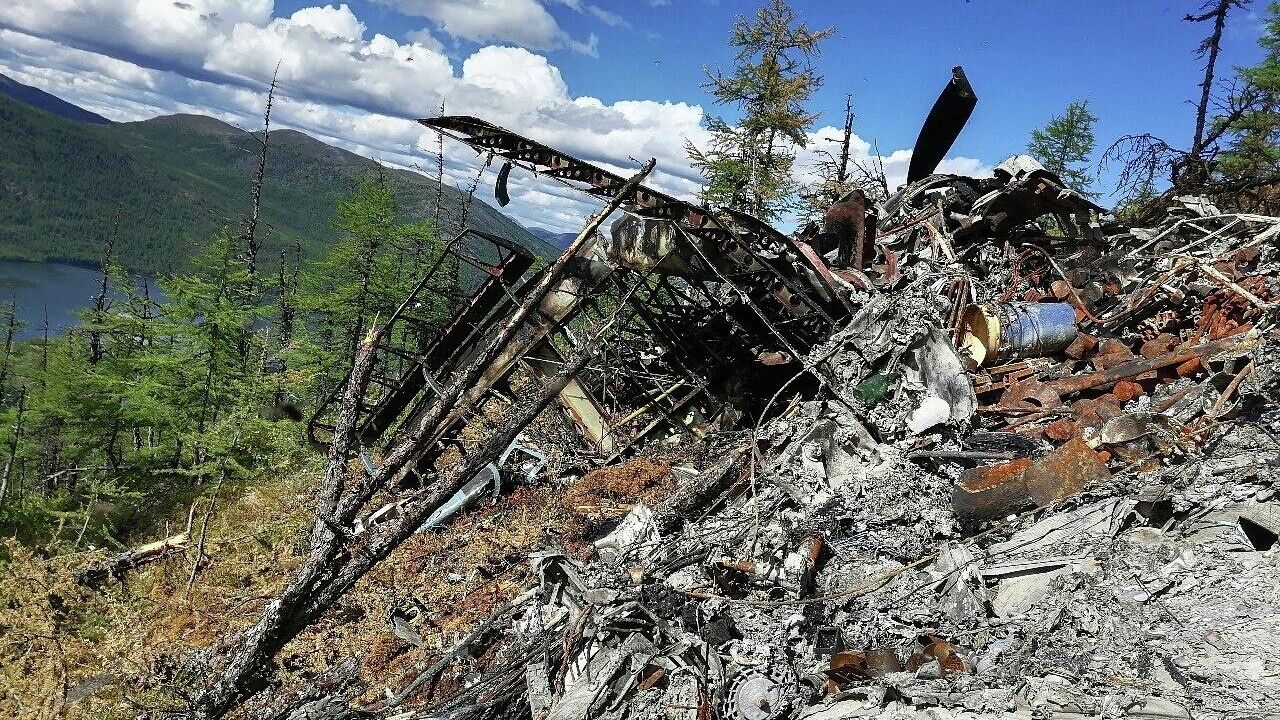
1026 59
612 80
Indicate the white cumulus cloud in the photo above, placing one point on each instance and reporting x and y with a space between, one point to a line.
524 22
361 90
864 154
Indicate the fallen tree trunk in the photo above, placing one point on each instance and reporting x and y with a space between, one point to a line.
97 573
326 697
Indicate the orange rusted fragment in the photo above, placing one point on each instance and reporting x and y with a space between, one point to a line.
1111 346
1106 361
1000 490
1060 430
1189 368
850 666
1238 344
935 648
1030 395
1158 345
1065 472
991 492
1127 390
984 478
1082 347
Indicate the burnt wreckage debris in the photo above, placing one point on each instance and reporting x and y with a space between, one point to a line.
992 453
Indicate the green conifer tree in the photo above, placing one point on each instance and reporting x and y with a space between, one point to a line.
1064 145
748 165
1252 152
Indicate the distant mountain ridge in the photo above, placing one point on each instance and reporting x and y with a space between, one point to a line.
557 239
175 181
36 97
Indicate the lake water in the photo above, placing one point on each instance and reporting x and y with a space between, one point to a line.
60 289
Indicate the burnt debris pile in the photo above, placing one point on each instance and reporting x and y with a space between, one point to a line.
975 450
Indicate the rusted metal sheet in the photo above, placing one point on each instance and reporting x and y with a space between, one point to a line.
1022 484
1234 345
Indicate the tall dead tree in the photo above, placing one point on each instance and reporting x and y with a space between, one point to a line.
470 194
453 274
439 173
287 281
100 300
249 237
11 329
839 171
337 561
13 446
1215 10
842 163
1145 157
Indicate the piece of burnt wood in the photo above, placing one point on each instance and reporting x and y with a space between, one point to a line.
696 493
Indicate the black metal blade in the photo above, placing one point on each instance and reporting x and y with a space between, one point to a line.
947 118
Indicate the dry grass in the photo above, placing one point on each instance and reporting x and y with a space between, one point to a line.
69 651
611 491
60 641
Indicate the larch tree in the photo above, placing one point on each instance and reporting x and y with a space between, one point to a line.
1251 157
748 164
1064 145
376 261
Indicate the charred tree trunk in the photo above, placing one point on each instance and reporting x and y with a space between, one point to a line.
288 286
247 663
471 193
439 175
249 237
842 164
11 327
1215 10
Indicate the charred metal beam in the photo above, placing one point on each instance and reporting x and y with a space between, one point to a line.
751 238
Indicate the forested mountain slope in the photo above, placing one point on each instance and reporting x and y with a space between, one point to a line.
51 103
173 182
